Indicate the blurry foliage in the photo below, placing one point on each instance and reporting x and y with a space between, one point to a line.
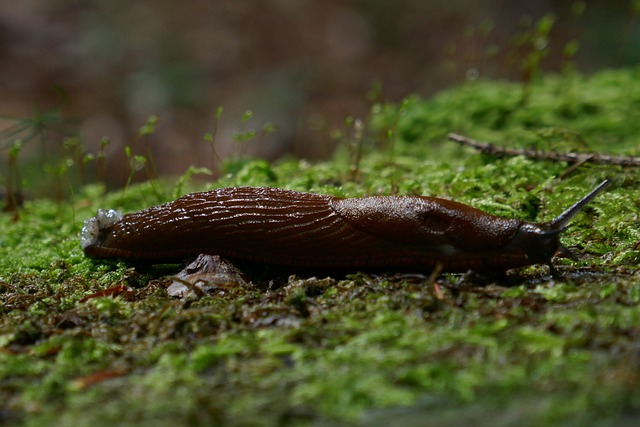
603 118
119 63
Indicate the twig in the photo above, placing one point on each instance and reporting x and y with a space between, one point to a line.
577 158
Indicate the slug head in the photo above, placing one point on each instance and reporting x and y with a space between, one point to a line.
537 244
540 242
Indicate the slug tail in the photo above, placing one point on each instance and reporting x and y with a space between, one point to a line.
560 223
90 234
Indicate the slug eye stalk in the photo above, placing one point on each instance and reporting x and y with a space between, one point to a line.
559 224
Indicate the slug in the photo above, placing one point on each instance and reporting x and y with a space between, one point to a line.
296 229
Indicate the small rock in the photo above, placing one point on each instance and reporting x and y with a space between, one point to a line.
206 274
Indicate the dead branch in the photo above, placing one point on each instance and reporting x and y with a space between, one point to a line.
577 158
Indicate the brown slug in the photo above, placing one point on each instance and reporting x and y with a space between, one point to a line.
291 228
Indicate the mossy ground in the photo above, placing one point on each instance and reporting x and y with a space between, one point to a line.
91 343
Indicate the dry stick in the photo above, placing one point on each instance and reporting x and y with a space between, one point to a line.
578 158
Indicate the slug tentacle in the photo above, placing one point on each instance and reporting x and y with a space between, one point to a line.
290 228
559 224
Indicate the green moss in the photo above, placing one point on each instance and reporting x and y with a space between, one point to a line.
598 112
364 349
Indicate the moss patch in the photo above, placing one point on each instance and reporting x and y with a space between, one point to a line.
93 343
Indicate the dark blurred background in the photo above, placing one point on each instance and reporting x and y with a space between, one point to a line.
302 65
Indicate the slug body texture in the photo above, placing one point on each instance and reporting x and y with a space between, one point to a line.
290 228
